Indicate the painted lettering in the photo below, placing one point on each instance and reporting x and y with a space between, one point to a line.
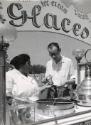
65 22
52 22
23 15
76 29
49 20
35 12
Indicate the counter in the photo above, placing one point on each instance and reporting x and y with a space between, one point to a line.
81 115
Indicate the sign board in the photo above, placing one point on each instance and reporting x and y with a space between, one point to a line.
48 16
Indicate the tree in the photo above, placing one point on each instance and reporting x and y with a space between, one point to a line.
37 69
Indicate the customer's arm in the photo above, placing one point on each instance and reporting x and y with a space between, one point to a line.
38 88
44 87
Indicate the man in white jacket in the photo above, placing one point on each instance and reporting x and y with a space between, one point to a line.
59 68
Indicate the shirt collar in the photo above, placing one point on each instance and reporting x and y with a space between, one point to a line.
60 62
19 73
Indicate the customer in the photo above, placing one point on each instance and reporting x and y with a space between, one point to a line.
18 82
60 70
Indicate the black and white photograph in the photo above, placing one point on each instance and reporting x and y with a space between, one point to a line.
45 62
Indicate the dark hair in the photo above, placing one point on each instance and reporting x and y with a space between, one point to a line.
20 60
54 44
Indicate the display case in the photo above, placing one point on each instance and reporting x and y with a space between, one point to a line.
45 114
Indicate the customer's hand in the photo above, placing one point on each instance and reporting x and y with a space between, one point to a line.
45 87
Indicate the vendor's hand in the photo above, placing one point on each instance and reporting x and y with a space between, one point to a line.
70 81
70 84
48 80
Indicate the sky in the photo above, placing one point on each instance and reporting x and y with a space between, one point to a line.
35 43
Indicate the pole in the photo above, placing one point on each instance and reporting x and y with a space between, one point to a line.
3 47
78 74
2 89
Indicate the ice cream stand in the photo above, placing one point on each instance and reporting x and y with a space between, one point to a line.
51 16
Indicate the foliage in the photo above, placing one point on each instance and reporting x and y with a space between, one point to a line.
37 69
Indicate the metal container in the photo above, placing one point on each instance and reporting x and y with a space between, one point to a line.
55 106
84 89
60 104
